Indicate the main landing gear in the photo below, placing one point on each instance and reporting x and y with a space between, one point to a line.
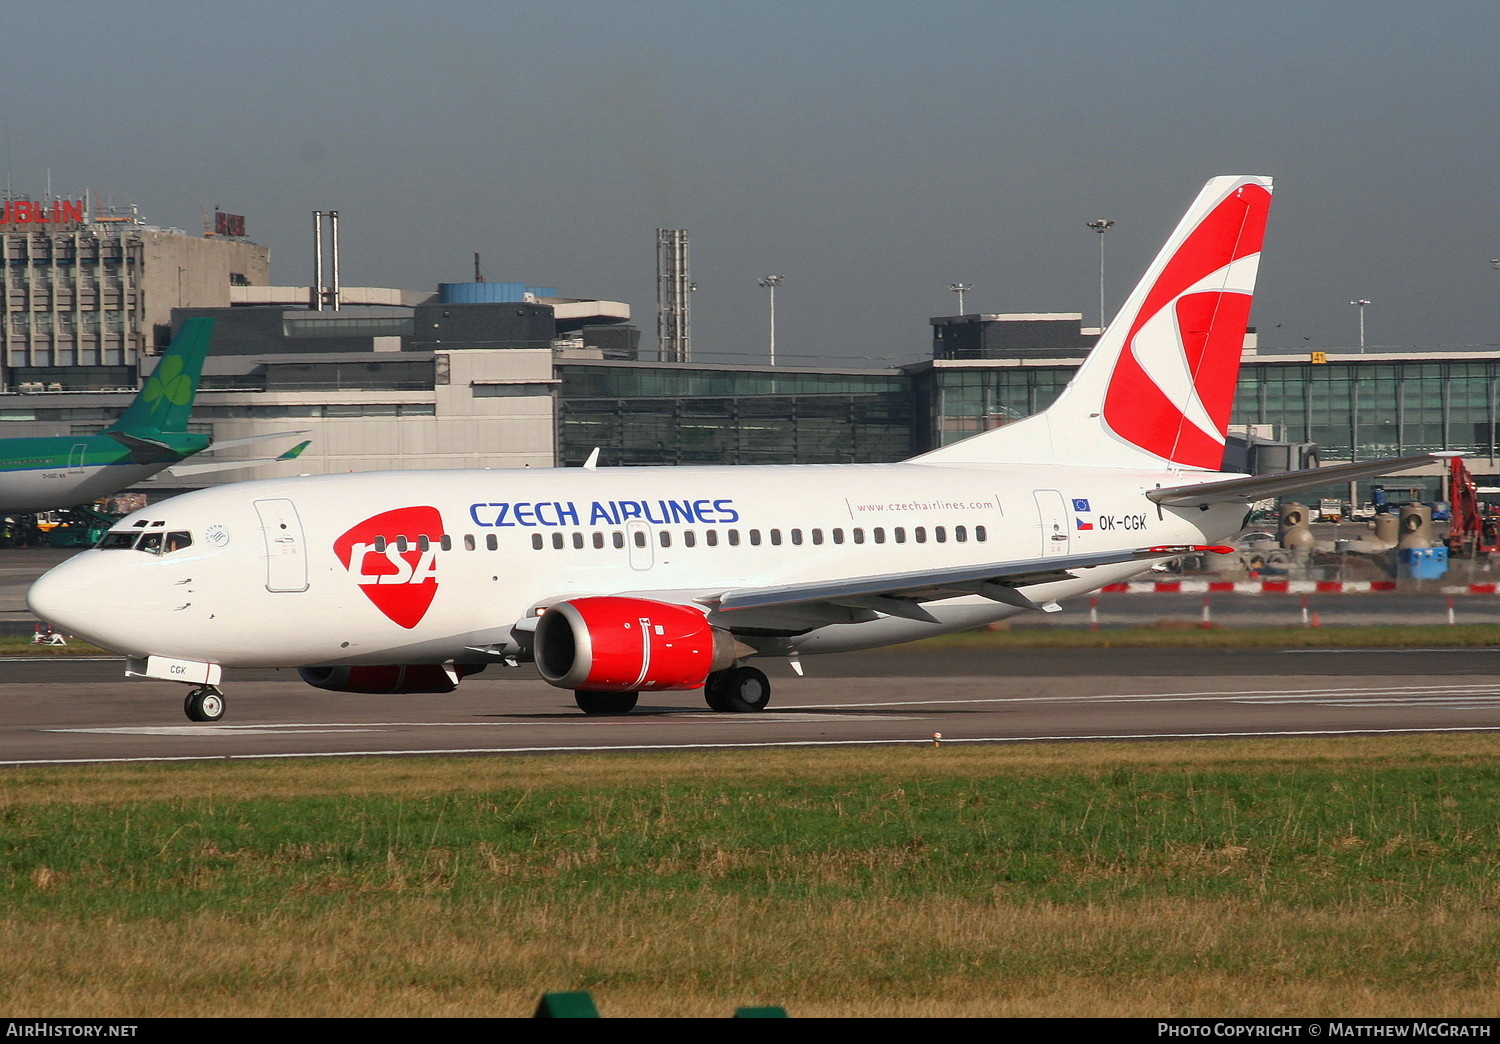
204 703
739 690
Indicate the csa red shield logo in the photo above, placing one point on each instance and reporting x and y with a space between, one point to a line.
401 580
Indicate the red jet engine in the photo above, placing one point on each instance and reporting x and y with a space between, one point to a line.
615 644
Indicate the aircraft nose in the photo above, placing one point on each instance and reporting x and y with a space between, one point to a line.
64 598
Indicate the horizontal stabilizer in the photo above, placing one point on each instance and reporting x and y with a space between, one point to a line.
144 450
1260 487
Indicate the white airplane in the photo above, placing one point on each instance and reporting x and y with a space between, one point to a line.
618 581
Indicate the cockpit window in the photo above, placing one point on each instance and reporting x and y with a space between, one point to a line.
152 543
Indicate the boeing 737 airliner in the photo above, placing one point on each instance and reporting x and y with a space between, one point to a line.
618 581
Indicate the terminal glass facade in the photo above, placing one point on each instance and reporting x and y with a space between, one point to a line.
674 414
1353 411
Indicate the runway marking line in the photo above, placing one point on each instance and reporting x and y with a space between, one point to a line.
643 747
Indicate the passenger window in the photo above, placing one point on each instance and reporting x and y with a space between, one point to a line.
940 534
900 534
598 540
712 537
960 534
666 538
879 535
619 539
445 542
577 541
177 541
776 536
817 535
491 542
838 536
468 541
640 538
859 536
755 538
920 534
380 545
536 541
557 541
402 544
423 543
796 536
688 539
734 538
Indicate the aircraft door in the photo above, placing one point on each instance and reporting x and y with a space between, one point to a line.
75 457
1053 514
638 537
286 557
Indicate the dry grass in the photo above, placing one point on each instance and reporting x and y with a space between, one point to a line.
1353 877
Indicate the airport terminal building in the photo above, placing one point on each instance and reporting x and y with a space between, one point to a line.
510 375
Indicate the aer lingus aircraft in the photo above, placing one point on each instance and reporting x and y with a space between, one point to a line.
62 471
615 582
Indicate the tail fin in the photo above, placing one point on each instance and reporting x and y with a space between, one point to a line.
166 399
1158 387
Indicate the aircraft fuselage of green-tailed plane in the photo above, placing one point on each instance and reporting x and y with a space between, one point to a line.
40 474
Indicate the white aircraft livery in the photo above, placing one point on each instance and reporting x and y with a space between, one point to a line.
614 582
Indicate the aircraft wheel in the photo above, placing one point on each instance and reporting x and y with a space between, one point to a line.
205 704
591 702
740 690
716 693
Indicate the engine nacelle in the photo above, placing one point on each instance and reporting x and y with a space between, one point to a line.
612 644
416 677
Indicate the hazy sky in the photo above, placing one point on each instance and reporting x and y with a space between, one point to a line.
872 153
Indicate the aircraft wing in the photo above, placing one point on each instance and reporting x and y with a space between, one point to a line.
227 443
202 467
901 594
1259 487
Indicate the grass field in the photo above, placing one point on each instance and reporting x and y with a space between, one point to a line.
1313 877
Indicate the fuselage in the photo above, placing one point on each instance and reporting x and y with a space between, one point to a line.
40 474
411 567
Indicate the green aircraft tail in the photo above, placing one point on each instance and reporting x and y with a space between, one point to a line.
166 399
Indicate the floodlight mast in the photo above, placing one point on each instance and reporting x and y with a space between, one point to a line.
960 289
1101 226
771 283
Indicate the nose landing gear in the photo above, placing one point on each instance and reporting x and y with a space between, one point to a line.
204 703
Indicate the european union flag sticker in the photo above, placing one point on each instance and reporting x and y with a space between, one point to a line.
1081 504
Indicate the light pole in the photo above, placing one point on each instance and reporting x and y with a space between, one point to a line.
771 283
959 288
1361 306
1495 263
1101 226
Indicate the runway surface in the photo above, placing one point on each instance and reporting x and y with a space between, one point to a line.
69 711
